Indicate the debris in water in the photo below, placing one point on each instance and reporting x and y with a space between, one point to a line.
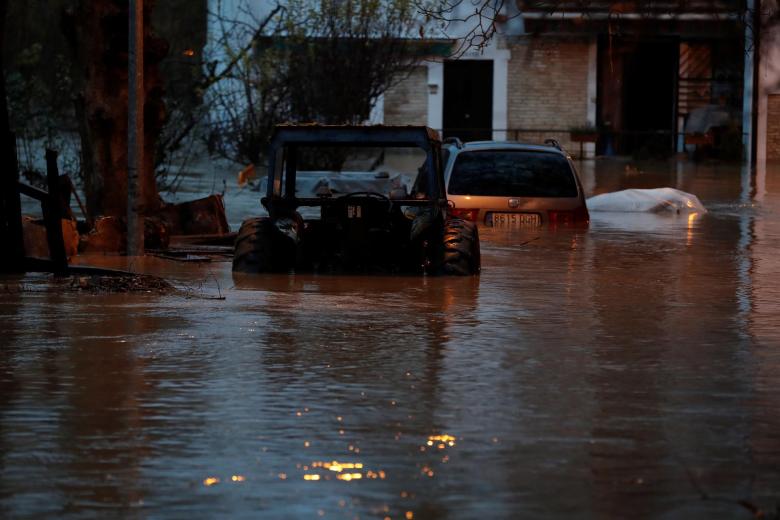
116 284
657 200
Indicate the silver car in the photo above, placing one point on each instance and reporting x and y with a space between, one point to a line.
513 185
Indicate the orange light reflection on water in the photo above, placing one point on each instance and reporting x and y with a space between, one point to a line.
441 441
344 471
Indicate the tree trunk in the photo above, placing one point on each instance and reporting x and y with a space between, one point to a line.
4 123
100 41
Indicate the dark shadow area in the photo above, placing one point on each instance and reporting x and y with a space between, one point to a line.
468 99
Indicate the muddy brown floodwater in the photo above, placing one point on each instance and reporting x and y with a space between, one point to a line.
630 370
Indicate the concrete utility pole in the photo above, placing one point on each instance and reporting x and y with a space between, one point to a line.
135 129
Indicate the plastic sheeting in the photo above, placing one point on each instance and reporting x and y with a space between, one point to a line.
657 200
704 119
311 184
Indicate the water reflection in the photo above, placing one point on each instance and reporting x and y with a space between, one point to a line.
90 420
366 353
622 370
102 401
10 383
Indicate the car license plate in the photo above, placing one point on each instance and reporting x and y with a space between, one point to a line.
516 220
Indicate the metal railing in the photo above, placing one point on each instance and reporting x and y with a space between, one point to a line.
608 142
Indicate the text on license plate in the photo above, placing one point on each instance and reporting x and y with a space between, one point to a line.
516 219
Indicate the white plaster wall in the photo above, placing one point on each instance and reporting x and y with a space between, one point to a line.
500 58
436 94
377 116
220 12
243 11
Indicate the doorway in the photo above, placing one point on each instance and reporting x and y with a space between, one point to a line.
649 109
468 99
637 96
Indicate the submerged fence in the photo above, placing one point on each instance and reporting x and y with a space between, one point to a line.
11 231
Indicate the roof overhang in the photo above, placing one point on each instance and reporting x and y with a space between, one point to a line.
416 47
671 17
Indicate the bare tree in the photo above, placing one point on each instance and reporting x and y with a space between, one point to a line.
477 21
242 103
345 56
323 62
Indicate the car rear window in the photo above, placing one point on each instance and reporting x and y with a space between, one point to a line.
512 173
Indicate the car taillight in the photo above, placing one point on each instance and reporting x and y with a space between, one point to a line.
465 213
577 217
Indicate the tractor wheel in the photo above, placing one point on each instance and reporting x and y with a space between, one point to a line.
261 248
461 248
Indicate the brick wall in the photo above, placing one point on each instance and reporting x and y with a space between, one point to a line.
407 102
548 88
773 128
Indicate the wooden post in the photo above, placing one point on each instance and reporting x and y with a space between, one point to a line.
135 133
52 216
11 238
13 258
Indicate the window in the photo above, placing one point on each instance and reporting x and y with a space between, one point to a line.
512 173
335 171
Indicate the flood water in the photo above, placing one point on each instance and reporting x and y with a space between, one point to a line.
630 370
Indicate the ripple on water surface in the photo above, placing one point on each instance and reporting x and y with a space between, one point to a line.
628 367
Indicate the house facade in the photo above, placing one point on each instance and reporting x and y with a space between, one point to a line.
527 89
639 80
606 78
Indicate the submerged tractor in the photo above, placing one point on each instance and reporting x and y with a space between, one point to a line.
356 199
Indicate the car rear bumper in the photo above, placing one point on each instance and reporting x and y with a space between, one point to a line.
526 213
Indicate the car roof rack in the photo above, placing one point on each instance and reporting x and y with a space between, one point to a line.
453 140
554 143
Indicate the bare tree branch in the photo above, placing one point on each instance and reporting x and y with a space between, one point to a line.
322 62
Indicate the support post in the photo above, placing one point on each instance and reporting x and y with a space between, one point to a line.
135 130
52 216
11 206
12 245
749 86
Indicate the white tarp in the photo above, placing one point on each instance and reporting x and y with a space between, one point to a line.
657 200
